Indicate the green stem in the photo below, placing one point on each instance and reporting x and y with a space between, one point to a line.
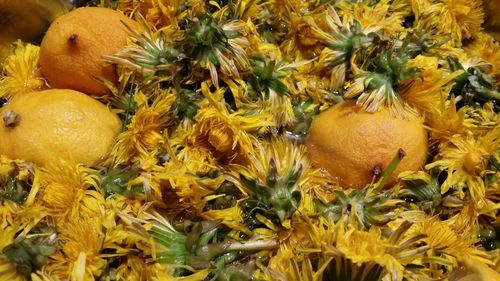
414 252
256 245
208 252
491 95
391 168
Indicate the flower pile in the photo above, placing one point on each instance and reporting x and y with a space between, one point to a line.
209 180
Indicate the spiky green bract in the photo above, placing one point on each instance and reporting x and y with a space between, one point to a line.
217 46
304 111
273 181
266 75
424 190
32 251
153 55
170 242
376 86
115 179
348 40
474 85
185 105
199 244
204 36
278 196
363 207
14 190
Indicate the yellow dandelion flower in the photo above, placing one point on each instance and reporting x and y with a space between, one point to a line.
312 85
80 254
280 155
197 159
432 85
301 43
294 269
460 19
446 121
308 235
280 107
144 134
274 177
184 189
281 262
270 89
221 133
364 247
159 13
334 60
447 244
65 189
486 48
21 72
484 118
218 46
468 15
226 134
232 217
380 16
464 160
335 251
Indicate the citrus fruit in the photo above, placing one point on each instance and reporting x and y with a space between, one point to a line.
71 50
355 146
46 125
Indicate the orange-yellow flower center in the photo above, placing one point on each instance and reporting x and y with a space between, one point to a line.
221 139
473 162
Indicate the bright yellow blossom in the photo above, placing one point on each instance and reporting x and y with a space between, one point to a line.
79 257
65 189
144 133
460 19
21 73
464 160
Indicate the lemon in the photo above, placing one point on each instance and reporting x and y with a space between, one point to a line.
355 146
48 125
71 51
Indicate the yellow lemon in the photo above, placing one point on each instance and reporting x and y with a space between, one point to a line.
355 146
47 125
71 50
